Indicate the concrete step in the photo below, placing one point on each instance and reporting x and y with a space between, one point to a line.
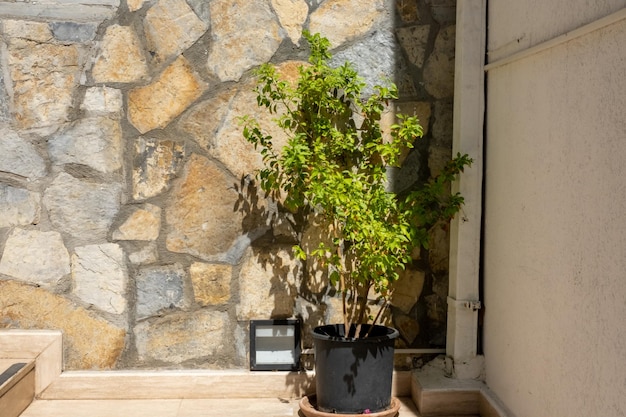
17 386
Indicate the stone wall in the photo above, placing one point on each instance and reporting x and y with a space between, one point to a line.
127 210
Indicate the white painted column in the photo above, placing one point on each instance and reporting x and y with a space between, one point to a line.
465 233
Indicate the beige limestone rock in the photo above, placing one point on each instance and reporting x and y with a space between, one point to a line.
343 20
89 341
211 283
245 34
142 224
200 213
157 104
268 284
292 14
102 100
439 68
182 336
100 276
134 5
35 257
43 78
407 290
155 164
171 26
215 126
34 31
121 59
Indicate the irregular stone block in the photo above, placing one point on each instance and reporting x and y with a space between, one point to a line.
171 26
159 287
157 104
95 142
292 14
409 328
18 206
268 284
44 77
245 34
121 58
89 341
100 276
181 337
19 157
146 255
142 224
36 257
200 214
439 68
211 283
374 57
357 17
73 31
83 209
414 41
155 164
102 100
407 290
214 124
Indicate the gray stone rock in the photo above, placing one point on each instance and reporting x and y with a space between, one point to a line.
18 206
181 337
159 288
83 209
19 157
73 32
95 142
100 276
374 58
146 255
36 257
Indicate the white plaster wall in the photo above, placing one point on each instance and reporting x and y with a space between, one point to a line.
555 221
516 25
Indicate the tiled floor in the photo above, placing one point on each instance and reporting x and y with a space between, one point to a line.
267 407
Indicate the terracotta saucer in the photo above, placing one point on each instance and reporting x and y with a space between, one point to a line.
309 411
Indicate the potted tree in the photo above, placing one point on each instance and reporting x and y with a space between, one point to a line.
334 169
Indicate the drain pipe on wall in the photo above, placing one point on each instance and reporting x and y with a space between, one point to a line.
465 232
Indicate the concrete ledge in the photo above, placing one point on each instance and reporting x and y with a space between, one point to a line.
191 384
44 347
436 395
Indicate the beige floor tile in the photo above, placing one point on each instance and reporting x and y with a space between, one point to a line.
266 407
108 408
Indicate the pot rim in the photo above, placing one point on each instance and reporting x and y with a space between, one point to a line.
322 333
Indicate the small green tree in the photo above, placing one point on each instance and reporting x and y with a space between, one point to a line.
335 166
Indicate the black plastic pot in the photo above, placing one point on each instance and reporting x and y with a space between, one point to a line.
353 375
